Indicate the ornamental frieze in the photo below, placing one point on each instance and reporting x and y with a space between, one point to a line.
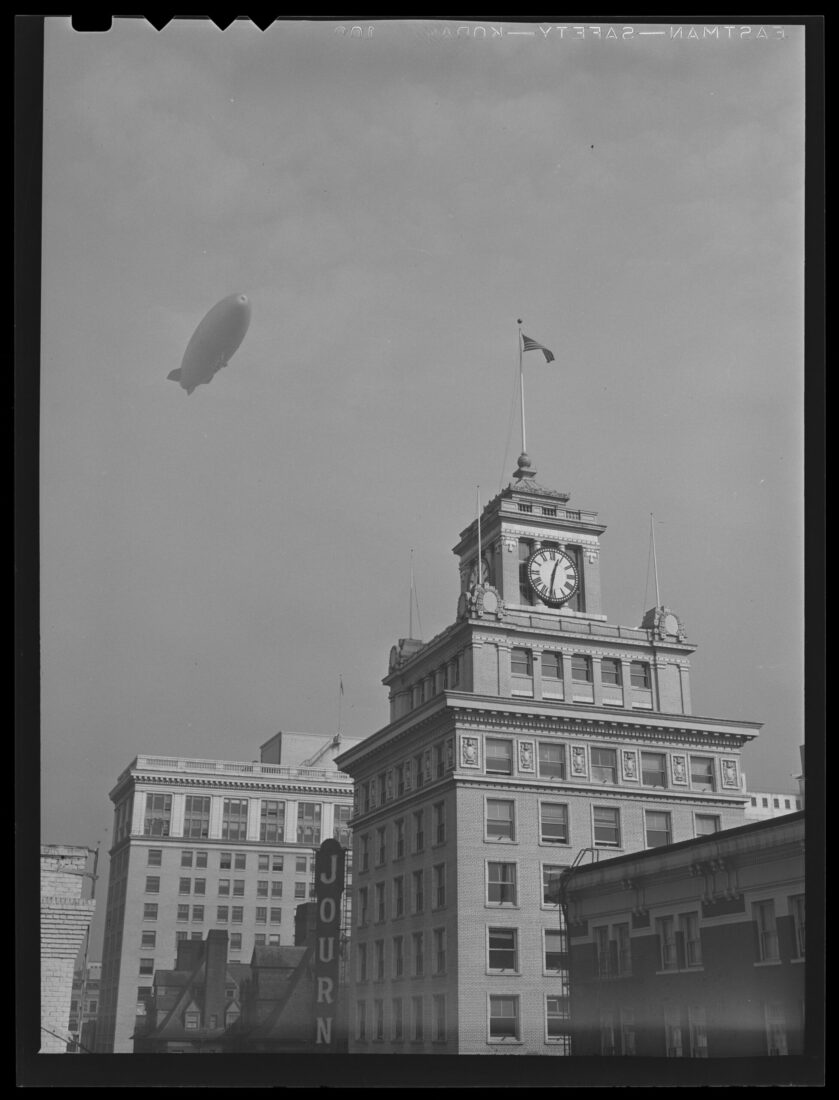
551 534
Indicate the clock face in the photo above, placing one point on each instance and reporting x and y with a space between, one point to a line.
552 576
670 624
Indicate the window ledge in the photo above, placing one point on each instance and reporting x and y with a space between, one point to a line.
798 959
768 962
505 1042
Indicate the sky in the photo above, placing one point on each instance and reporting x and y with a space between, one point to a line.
211 565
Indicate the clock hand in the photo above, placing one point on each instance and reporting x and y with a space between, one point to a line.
553 575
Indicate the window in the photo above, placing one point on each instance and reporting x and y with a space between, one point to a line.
261 914
276 889
418 768
262 862
499 756
400 779
526 594
379 960
603 951
776 1033
607 832
786 804
417 1033
396 1025
301 864
438 1017
666 931
658 828
398 956
439 823
624 949
439 761
551 761
581 668
198 913
556 950
419 830
259 939
754 800
148 939
551 665
234 819
765 803
653 769
271 821
551 874
399 896
361 962
639 674
262 888
381 847
224 887
308 823
767 931
399 838
225 861
235 941
697 1032
150 910
557 1020
300 889
689 927
200 859
274 940
340 824
608 1045
501 884
418 881
184 885
199 886
439 951
147 966
627 1025
706 824
553 821
361 1021
158 815
521 662
796 908
276 916
673 1031
439 886
363 913
222 914
503 949
155 857
153 884
381 785
237 914
604 765
776 803
364 848
500 819
380 902
196 816
503 1018
702 773
417 944
610 671
183 912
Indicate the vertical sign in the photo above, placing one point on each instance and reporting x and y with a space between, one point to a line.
329 885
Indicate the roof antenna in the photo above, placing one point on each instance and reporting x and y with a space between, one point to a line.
655 561
413 599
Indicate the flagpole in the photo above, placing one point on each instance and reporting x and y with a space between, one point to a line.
340 698
655 561
411 601
521 384
478 505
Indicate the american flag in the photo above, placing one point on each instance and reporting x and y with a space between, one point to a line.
531 345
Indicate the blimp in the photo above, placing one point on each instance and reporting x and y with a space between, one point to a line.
214 342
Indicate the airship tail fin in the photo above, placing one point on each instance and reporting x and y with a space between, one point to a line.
174 375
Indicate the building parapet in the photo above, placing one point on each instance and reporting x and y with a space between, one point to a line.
229 767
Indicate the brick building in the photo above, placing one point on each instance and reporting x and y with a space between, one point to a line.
696 950
211 844
528 730
65 917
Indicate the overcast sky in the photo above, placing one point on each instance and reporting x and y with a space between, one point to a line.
211 564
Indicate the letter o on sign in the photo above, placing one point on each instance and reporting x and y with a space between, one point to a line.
328 910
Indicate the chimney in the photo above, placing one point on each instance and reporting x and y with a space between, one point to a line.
215 978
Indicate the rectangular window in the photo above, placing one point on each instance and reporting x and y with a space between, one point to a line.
438 1017
439 823
271 821
607 831
261 914
658 827
396 1024
398 956
276 889
183 912
556 950
666 931
380 902
200 859
184 886
610 671
639 674
234 819
300 889
222 913
361 1021
262 862
501 884
499 756
379 960
259 939
551 874
186 858
238 887
196 816
702 773
603 952
148 939
653 769
198 913
767 930
199 886
225 861
419 830
152 884
240 860
158 815
521 661
361 962
604 765
503 949
399 838
274 940
237 914
301 864
697 1032
418 883
500 819
551 760
581 668
706 824
689 927
439 951
439 761
553 821
776 1028
796 908
363 912
558 1022
503 1018
235 941
399 896
276 916
439 886
262 888
308 823
608 1045
551 665
417 1032
150 910
147 966
224 887
341 824
364 847
155 857
623 949
381 847
418 948
419 771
